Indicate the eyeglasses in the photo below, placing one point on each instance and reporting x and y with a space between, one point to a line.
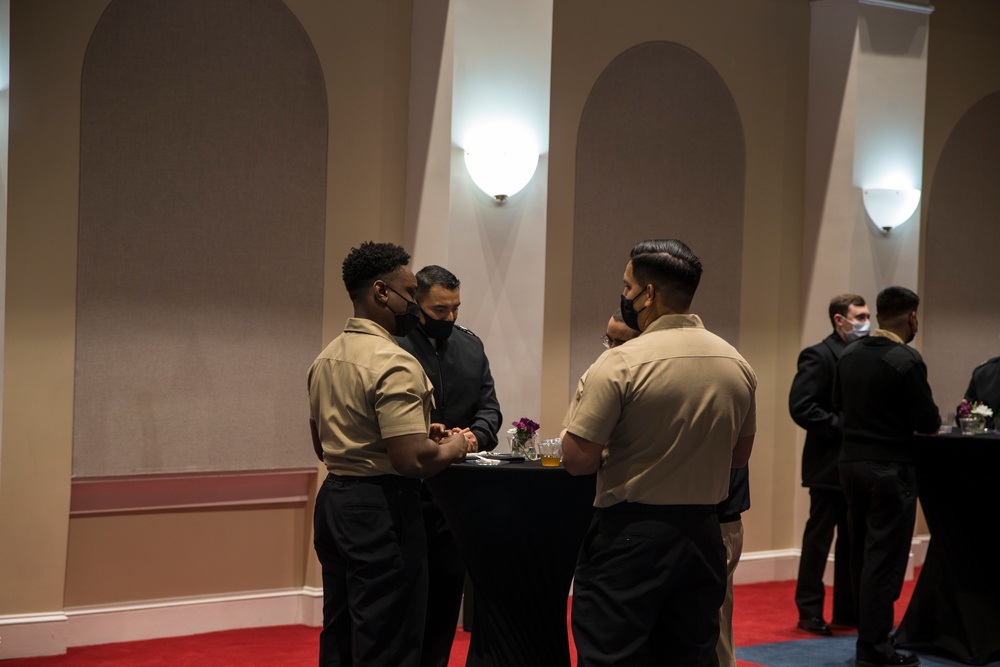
610 342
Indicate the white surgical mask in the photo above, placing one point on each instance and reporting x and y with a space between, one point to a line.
858 330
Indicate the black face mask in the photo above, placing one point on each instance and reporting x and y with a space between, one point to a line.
407 320
630 316
437 329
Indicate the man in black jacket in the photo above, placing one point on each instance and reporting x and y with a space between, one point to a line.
881 388
464 398
984 387
810 403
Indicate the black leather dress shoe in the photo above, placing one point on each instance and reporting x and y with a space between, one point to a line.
898 659
815 625
844 623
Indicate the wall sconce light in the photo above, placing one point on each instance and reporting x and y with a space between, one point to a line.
501 159
890 207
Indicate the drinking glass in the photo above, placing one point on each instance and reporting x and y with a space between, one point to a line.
550 452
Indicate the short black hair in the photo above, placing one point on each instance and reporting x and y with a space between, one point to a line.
370 262
617 316
895 301
840 304
668 263
434 275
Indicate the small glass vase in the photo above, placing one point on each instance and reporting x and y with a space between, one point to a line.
520 446
972 425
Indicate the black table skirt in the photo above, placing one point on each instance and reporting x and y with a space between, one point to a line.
519 528
955 608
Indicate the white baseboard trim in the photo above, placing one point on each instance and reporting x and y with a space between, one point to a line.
30 635
918 551
312 607
783 564
760 566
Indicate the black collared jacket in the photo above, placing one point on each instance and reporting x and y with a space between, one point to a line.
882 392
464 395
984 387
810 402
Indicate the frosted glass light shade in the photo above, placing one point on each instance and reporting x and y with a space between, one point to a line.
501 159
890 207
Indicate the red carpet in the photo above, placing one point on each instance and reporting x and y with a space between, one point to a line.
764 613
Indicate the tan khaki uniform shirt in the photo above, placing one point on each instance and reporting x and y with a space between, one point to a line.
362 388
669 406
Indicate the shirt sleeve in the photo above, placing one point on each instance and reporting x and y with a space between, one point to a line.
486 423
750 421
924 413
600 395
810 398
402 398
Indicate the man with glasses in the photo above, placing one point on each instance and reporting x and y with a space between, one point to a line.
370 406
618 333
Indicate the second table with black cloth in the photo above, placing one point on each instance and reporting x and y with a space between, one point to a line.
955 607
519 528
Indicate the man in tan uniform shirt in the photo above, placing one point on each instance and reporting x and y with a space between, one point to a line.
370 405
662 419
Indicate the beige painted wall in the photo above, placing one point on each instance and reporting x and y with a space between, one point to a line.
473 61
54 562
963 67
759 47
770 93
155 556
48 40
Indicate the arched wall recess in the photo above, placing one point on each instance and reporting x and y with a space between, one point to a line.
660 154
203 156
960 308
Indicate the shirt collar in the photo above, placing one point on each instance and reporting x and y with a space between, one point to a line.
362 325
884 333
685 321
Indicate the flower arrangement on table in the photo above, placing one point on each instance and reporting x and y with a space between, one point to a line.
522 437
974 409
972 416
